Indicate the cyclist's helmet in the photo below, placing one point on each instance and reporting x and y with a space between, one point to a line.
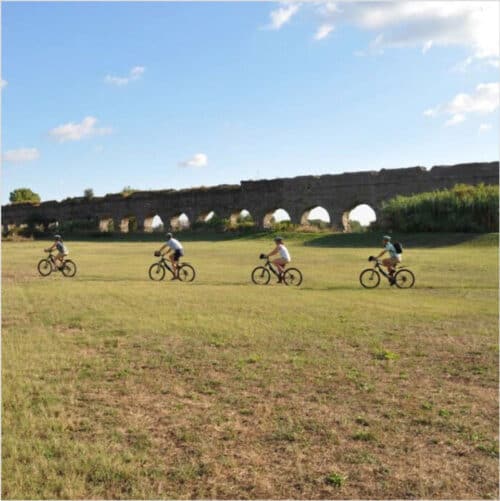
169 236
58 237
278 240
386 237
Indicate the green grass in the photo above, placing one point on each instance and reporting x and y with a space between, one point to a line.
117 387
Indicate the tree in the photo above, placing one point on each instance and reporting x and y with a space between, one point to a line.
88 193
127 191
23 195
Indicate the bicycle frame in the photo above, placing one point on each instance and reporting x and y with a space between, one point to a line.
378 266
271 267
164 262
52 259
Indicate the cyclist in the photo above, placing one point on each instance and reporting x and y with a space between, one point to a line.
62 250
393 259
284 258
173 246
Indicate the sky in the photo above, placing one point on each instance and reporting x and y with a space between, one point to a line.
176 95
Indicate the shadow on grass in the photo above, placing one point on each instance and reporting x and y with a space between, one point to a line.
410 240
370 239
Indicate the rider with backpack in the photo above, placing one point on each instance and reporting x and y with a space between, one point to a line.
395 250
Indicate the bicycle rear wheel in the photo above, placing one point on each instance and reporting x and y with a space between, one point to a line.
186 273
69 268
404 279
292 276
156 272
261 276
369 278
44 267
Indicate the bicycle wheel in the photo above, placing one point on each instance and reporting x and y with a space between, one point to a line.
404 279
45 267
156 272
261 276
292 276
186 273
69 268
369 278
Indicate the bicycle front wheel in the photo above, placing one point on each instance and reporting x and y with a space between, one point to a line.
292 276
186 273
69 268
369 278
261 276
156 272
45 267
404 279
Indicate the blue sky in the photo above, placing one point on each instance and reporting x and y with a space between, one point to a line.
173 95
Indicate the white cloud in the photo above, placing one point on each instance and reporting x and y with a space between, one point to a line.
427 46
323 31
134 74
76 131
485 99
3 83
455 120
484 128
420 24
198 160
21 155
281 16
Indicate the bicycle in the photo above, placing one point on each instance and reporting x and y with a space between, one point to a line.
261 275
370 278
185 272
47 265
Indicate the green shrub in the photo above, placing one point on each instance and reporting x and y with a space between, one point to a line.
463 208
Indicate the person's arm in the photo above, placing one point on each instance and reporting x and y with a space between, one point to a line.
275 251
382 253
52 247
163 247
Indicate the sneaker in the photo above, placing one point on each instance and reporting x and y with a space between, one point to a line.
392 281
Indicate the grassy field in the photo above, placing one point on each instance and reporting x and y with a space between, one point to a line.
117 387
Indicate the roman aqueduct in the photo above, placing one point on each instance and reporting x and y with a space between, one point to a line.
337 193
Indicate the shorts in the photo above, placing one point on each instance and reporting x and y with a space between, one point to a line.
177 254
395 260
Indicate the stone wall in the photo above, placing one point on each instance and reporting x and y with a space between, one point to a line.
337 193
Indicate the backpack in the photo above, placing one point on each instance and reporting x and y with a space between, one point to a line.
398 247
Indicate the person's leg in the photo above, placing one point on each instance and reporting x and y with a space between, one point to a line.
388 263
280 265
59 260
171 258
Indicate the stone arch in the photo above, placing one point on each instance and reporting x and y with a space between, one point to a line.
364 215
206 216
153 223
276 215
180 221
315 216
53 225
241 216
106 224
128 224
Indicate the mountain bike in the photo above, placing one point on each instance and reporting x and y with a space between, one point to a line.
262 274
47 265
157 271
370 278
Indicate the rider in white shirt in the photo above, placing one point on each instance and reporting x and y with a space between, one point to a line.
284 258
175 250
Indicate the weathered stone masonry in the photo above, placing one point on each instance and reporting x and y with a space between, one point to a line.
337 193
